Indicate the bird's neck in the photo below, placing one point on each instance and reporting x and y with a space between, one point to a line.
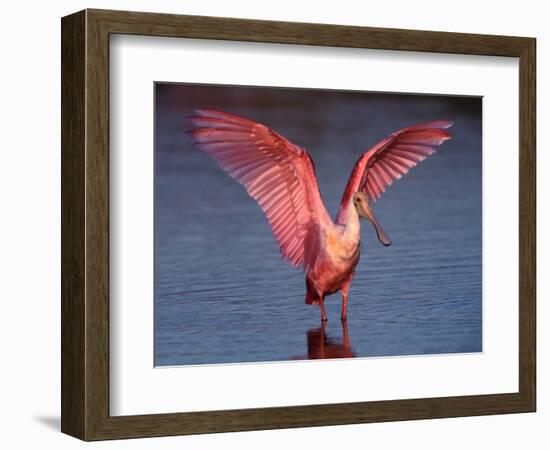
352 223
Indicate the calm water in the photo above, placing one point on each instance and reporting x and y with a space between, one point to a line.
222 292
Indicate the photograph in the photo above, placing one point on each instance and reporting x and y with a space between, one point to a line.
300 224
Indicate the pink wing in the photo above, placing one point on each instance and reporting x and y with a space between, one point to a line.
278 174
391 158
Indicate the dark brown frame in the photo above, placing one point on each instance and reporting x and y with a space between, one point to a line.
85 224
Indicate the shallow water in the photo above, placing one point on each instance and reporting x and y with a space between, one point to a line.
222 292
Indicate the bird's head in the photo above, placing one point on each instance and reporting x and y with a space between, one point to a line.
361 204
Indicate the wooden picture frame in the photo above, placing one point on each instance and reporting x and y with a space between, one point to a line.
85 224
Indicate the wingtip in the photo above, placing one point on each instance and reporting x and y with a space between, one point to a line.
193 118
200 112
441 124
192 133
209 112
190 119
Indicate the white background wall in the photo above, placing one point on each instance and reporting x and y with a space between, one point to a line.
30 221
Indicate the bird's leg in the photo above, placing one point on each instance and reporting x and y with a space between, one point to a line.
323 312
345 289
345 340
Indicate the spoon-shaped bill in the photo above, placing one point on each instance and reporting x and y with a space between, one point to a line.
382 236
365 212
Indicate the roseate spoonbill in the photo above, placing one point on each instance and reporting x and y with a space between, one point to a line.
280 176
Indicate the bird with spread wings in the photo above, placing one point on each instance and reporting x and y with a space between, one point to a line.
281 177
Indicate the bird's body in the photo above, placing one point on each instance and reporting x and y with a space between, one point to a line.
336 259
280 176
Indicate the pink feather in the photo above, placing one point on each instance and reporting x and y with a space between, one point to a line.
392 158
276 173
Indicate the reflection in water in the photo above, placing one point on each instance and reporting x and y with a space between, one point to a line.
321 346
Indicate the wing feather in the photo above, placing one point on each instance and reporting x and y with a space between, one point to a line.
391 158
278 174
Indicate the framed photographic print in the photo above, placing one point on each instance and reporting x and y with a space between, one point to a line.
270 224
